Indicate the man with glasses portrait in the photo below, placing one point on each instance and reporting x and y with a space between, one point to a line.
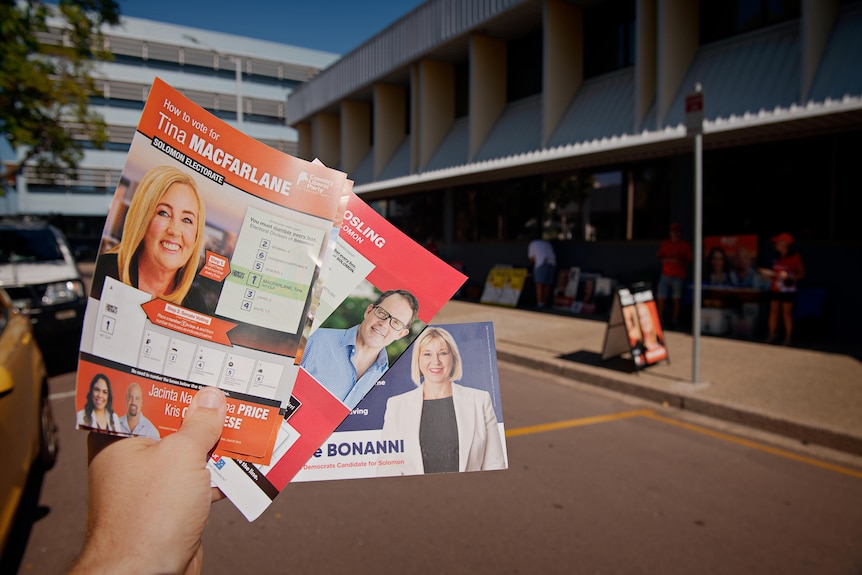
348 362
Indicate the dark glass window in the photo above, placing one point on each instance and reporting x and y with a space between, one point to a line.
407 110
578 207
59 189
604 209
117 103
524 67
28 245
497 211
420 215
462 89
651 200
844 192
609 37
112 146
768 188
721 19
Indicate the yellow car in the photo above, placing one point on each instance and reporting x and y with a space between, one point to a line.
28 432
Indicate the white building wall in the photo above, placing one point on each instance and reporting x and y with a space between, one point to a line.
185 58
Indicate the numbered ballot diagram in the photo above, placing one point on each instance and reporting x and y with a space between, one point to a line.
270 272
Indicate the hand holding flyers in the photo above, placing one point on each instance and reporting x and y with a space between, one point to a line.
225 263
122 472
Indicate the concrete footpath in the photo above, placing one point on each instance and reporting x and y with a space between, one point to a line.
811 396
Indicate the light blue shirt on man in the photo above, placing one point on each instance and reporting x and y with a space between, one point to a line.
144 428
328 357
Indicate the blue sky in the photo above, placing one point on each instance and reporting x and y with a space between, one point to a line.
330 25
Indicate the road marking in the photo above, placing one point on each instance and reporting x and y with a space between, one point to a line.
650 414
758 446
576 422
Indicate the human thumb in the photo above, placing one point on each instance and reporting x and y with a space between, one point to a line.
204 418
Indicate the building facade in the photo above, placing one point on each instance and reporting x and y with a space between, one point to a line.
220 72
480 123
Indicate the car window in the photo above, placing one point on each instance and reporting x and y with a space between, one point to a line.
5 310
28 245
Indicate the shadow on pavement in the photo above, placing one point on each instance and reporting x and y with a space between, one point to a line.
620 364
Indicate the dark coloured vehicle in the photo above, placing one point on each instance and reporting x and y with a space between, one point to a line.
39 272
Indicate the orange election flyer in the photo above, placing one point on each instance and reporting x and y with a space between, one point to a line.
206 276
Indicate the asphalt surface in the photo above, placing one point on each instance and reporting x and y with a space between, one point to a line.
808 395
598 482
604 486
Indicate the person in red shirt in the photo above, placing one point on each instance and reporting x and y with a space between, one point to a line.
787 269
675 255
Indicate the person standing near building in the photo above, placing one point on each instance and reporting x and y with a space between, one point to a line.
544 261
675 255
787 269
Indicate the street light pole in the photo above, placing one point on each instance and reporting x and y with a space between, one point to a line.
694 127
238 65
237 61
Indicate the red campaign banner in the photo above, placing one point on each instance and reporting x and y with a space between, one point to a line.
250 423
180 319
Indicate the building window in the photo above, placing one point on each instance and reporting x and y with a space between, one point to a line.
609 37
524 67
770 188
651 200
721 19
420 215
462 89
497 211
847 203
583 207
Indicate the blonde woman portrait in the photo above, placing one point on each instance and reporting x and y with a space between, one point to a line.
446 426
161 243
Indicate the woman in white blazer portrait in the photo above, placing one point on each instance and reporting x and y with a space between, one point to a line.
445 426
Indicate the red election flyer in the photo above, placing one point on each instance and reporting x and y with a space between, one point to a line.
449 368
206 275
368 301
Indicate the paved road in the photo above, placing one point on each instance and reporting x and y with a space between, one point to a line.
598 483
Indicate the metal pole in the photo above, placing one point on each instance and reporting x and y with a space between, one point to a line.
238 64
698 253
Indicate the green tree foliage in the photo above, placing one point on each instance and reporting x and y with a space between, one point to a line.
45 84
